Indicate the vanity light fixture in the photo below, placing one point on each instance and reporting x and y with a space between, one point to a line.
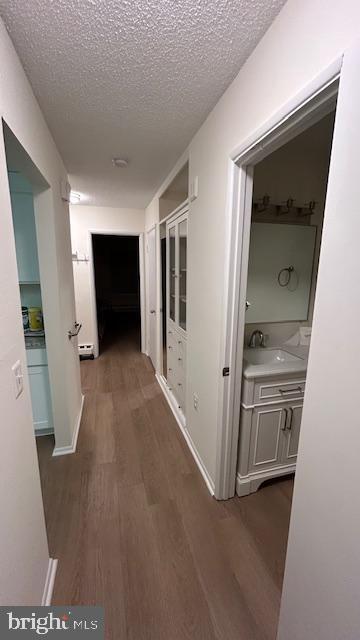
121 163
74 197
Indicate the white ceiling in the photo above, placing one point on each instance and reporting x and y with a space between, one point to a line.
130 78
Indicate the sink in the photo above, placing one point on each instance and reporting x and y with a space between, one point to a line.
269 356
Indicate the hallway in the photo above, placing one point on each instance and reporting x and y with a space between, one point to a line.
135 529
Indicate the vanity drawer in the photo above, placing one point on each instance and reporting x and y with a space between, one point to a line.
270 391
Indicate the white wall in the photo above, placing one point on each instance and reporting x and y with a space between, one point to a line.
23 548
274 73
83 219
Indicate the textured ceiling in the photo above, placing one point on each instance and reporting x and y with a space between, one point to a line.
130 78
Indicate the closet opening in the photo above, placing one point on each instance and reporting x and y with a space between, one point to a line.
26 184
116 267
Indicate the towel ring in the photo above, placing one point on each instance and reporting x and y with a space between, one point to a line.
288 271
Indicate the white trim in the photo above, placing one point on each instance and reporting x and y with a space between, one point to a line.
142 292
179 209
152 229
62 451
306 108
180 419
111 232
49 582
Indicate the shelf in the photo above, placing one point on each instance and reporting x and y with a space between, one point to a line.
29 282
34 334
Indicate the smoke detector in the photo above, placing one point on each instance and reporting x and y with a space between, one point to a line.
121 163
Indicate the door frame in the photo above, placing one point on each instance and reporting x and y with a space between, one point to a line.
304 110
152 229
109 232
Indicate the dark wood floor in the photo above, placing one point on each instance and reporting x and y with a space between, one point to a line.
135 529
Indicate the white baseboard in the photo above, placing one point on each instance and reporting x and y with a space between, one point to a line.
62 451
181 420
49 582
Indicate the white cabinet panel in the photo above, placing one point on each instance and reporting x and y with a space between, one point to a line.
25 237
40 397
265 441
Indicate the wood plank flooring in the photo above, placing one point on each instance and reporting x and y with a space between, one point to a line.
135 529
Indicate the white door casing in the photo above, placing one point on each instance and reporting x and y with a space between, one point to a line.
151 311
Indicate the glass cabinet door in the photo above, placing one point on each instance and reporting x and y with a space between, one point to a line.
172 273
182 230
177 271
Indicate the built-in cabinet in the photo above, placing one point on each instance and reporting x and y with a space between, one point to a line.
270 421
25 237
176 238
40 390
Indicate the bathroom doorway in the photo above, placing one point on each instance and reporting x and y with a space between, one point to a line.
287 213
305 111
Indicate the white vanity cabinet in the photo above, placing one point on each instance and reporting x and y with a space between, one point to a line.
176 237
270 422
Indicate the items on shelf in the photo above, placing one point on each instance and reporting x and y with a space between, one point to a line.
35 319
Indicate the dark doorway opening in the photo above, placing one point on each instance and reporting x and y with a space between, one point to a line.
117 286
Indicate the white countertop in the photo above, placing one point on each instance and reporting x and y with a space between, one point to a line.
277 368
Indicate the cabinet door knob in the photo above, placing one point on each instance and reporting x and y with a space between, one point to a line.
291 410
283 428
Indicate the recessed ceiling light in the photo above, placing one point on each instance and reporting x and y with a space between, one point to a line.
74 197
120 162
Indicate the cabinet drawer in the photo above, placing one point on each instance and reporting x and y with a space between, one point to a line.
271 391
176 382
171 341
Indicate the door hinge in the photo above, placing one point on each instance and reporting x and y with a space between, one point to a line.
226 372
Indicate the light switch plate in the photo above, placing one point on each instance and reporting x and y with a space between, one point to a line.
18 378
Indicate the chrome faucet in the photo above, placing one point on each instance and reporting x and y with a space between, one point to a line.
254 335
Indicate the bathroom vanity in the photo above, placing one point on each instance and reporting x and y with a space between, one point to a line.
271 410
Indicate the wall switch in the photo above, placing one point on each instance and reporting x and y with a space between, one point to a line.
196 401
18 378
